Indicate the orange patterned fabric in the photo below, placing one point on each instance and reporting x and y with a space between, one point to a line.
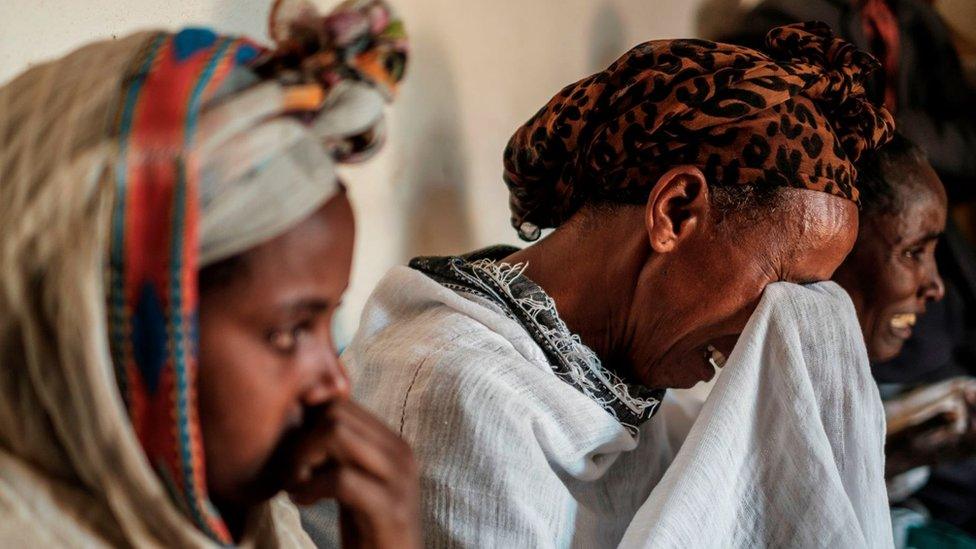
797 115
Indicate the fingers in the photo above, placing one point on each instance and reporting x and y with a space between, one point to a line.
351 487
347 435
368 426
348 455
370 514
345 446
346 440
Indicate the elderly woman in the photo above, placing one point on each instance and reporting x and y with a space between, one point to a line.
892 276
680 182
891 273
175 243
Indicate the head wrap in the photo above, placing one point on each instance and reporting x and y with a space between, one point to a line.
795 116
160 153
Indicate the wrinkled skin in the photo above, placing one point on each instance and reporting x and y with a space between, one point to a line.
274 404
892 269
890 273
650 287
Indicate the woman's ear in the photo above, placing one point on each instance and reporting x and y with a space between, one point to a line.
677 205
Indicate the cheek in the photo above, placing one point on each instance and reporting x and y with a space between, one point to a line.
734 286
711 296
893 285
245 405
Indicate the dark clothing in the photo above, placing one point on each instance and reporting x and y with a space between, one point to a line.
936 110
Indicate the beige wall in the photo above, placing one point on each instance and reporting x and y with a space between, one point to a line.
478 69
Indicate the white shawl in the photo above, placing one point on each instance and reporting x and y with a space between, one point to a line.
788 449
511 455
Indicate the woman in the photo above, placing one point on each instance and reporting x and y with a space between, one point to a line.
892 277
525 379
891 274
175 242
935 107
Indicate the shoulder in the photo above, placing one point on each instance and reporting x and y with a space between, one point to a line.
411 321
420 338
446 356
433 366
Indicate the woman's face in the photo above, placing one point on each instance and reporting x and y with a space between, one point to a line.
710 285
267 353
891 274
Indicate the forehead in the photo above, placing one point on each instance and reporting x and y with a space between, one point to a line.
315 255
917 184
920 201
815 231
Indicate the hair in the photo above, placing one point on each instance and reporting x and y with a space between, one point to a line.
737 203
744 202
880 175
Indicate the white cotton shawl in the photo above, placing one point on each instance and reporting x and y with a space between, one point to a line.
788 449
510 454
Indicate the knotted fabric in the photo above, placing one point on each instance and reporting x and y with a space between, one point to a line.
795 115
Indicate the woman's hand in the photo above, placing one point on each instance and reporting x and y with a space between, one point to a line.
347 454
944 438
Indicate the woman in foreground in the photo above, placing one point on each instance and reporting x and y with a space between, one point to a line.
175 242
681 181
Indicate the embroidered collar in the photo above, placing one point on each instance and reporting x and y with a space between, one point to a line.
482 273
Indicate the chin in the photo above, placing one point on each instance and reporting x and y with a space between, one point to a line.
248 491
884 352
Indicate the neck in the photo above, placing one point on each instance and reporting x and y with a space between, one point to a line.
591 274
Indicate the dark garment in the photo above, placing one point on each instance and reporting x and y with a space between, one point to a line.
936 110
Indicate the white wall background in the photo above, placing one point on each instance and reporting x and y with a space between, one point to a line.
478 69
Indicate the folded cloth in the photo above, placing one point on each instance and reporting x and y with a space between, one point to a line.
788 448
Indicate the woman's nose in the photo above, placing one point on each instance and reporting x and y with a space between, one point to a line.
934 288
331 383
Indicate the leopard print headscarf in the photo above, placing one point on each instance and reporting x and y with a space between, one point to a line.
797 115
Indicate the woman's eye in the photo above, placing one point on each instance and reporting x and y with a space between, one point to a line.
914 254
286 341
283 341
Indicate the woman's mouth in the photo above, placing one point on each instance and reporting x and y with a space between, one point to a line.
714 357
901 324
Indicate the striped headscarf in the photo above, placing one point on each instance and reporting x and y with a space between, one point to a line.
796 115
199 147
